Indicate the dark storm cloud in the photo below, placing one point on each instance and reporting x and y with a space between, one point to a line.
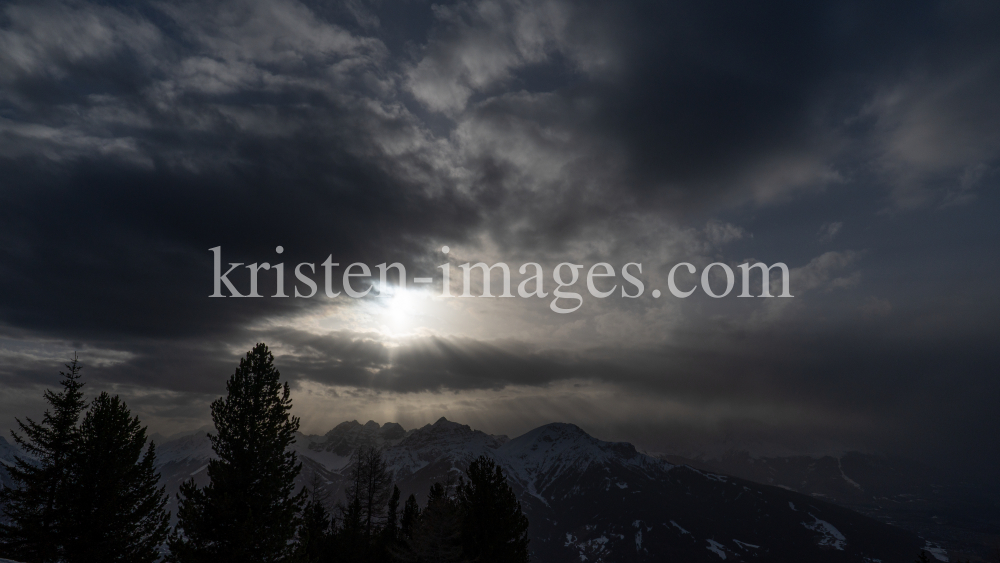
137 137
134 137
695 107
118 183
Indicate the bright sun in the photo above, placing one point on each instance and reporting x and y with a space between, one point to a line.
400 308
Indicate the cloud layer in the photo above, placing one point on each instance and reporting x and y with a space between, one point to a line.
857 143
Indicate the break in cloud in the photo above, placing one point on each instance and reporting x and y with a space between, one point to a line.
133 137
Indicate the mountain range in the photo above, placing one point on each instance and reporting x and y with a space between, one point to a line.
594 501
590 500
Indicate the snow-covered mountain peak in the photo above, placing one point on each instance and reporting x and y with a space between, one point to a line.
455 443
445 435
542 455
348 436
343 428
551 442
444 425
354 428
566 441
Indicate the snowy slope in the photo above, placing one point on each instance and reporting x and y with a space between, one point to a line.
192 447
446 442
954 514
590 500
537 459
334 449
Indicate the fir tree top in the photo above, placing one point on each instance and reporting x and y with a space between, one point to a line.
53 437
34 507
252 421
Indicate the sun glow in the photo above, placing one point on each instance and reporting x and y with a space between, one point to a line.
402 310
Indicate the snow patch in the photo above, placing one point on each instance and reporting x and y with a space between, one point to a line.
831 536
601 541
678 526
711 476
937 551
745 545
531 491
595 547
846 478
717 548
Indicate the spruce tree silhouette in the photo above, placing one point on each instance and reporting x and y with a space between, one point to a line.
115 510
390 532
411 515
385 545
437 534
315 535
494 529
352 545
248 512
34 508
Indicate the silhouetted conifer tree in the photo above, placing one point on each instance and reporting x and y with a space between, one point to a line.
390 532
411 515
35 506
115 510
481 522
385 544
437 535
352 545
494 529
248 512
315 536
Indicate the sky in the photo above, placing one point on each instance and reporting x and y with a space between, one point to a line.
856 142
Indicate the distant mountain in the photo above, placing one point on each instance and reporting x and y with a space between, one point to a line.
347 436
591 500
952 515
